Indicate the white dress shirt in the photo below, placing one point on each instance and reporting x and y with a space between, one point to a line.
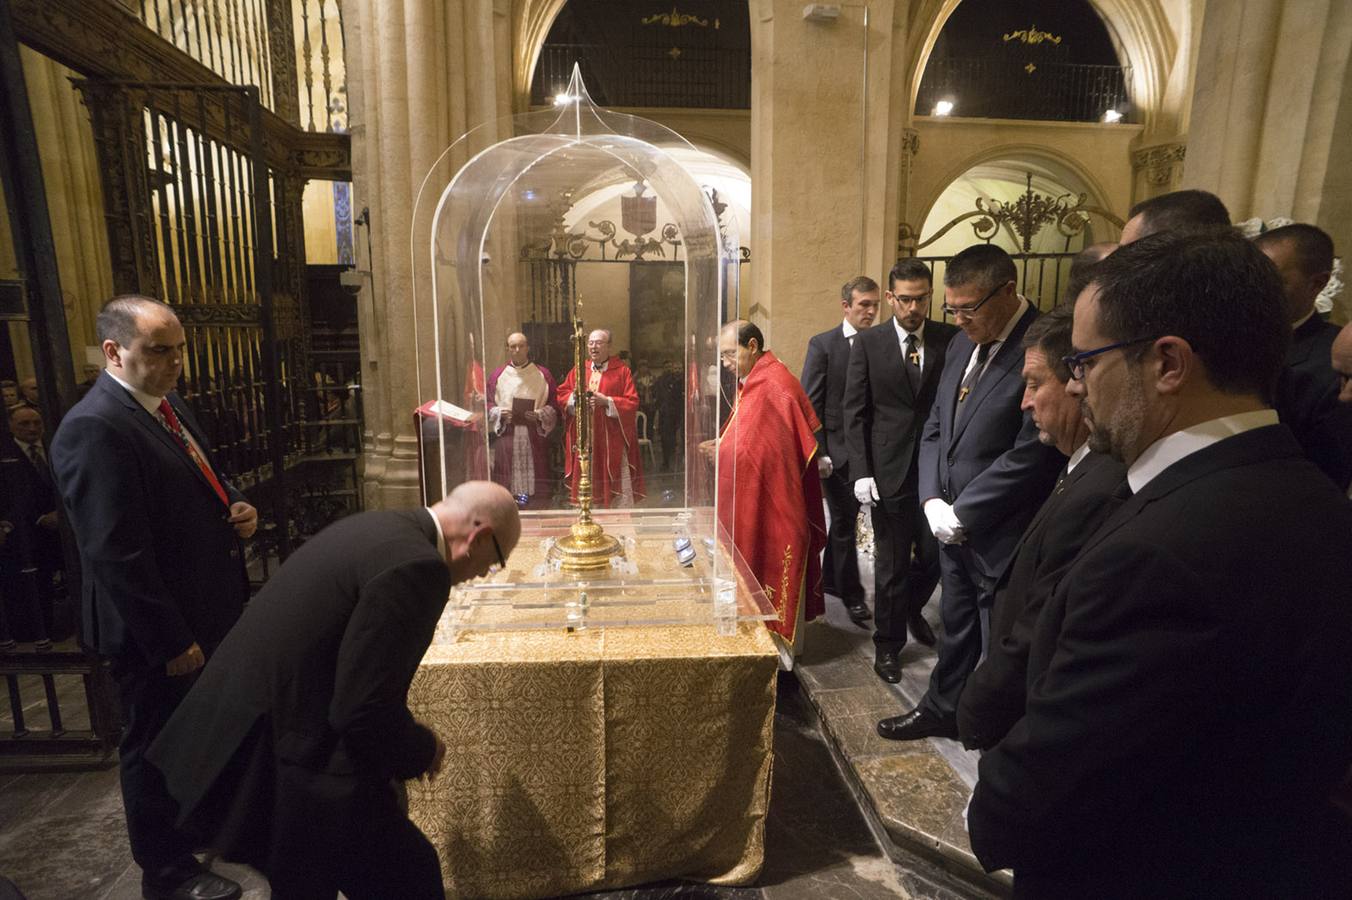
903 334
1174 447
999 340
151 404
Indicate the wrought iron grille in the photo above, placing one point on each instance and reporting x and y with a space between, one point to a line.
229 37
699 77
1003 88
321 65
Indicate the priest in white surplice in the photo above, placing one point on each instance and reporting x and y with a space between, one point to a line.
522 413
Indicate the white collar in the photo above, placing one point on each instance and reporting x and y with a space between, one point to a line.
1174 447
441 538
1080 453
849 330
1013 320
904 334
151 403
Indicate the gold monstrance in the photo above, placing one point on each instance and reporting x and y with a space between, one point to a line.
586 549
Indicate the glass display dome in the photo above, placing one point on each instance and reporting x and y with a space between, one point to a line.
574 265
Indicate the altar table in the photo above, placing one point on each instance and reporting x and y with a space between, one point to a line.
597 759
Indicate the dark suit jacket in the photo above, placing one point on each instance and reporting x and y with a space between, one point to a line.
161 566
1188 691
883 415
993 698
315 675
824 373
1307 401
31 495
993 470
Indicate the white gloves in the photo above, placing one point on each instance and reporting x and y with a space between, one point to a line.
866 491
824 467
944 522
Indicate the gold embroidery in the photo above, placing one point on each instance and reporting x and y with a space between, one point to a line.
784 584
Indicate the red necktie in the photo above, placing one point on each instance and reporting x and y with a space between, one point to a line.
171 422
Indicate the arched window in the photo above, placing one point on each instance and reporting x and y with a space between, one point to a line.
650 53
1025 59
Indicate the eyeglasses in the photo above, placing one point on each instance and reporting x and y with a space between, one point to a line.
497 548
913 298
968 311
1076 362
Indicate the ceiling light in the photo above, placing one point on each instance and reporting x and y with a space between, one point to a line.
943 107
1111 116
563 99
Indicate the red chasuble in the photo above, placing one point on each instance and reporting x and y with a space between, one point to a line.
774 509
614 441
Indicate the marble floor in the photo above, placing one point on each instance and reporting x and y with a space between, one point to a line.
62 835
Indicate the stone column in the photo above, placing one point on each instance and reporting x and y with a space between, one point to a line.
420 74
1271 127
1157 169
826 137
70 172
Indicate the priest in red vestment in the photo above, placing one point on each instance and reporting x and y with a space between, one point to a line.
769 492
521 415
616 470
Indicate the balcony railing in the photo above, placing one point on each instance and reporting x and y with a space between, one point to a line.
690 77
1016 89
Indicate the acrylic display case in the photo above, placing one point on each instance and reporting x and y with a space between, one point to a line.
580 214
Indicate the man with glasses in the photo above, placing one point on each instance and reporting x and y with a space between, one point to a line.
983 472
1174 744
285 752
824 377
890 386
993 698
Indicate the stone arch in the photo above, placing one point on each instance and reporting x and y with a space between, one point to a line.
1037 154
1139 30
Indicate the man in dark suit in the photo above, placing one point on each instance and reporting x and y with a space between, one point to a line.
24 463
1174 745
983 472
824 375
285 750
1307 391
162 569
889 389
993 698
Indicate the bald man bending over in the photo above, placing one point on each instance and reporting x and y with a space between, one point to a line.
285 752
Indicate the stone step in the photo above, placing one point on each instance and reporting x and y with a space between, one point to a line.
914 793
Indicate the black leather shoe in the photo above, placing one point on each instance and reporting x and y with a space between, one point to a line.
859 613
916 724
920 629
888 666
202 886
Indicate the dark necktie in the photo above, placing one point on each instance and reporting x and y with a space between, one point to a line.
983 352
1122 493
913 371
40 463
171 423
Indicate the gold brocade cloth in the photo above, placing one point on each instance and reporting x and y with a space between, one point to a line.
597 759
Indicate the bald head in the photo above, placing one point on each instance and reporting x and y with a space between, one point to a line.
518 348
1342 362
479 520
